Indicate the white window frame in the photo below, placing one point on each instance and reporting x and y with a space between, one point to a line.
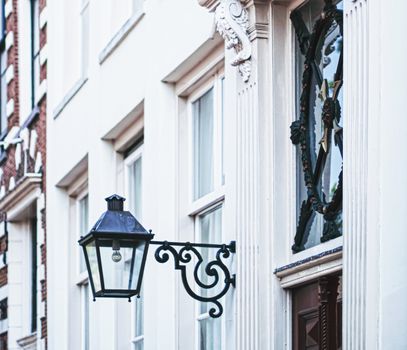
82 279
129 161
82 276
204 316
218 192
215 198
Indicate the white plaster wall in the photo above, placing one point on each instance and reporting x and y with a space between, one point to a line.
167 34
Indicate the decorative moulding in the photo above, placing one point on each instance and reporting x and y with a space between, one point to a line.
43 17
232 22
209 4
8 8
9 40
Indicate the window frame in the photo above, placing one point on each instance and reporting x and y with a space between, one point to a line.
129 161
35 51
215 198
82 276
218 193
292 161
198 237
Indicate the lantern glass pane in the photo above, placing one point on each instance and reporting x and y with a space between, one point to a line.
121 267
93 265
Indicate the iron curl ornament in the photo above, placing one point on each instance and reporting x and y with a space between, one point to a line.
214 269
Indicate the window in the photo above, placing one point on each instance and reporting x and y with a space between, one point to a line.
209 230
81 215
207 124
35 51
33 282
83 227
3 68
207 193
317 132
133 165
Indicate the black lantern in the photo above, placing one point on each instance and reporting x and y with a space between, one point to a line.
115 252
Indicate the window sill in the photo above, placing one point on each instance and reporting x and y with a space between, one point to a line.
310 268
69 96
28 341
120 36
82 279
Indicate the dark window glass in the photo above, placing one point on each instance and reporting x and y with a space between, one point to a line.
317 131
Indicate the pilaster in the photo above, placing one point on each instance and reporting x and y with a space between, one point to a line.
245 28
355 173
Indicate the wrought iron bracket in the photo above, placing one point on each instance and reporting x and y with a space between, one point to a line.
214 269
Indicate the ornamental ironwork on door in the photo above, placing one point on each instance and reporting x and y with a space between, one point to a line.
317 130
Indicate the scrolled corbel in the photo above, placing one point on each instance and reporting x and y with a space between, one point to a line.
232 23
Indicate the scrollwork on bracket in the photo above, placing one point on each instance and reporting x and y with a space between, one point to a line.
213 270
232 22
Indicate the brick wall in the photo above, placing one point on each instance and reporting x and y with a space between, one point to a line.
36 125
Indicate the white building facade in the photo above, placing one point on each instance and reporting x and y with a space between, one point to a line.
184 108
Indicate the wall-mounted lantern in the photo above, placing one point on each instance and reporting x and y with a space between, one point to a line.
116 249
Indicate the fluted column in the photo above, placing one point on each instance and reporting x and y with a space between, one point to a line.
244 27
355 173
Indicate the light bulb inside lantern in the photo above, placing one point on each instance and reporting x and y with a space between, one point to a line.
116 256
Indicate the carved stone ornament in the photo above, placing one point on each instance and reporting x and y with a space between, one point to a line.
232 23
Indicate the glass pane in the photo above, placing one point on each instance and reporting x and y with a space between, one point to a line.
327 59
123 272
94 267
210 334
203 144
135 188
211 232
139 345
83 226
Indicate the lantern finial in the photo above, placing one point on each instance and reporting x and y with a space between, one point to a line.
115 202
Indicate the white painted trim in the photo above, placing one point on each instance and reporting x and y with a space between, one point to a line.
311 271
42 90
4 325
120 36
44 54
43 17
4 289
8 8
22 196
10 107
9 73
9 40
69 96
